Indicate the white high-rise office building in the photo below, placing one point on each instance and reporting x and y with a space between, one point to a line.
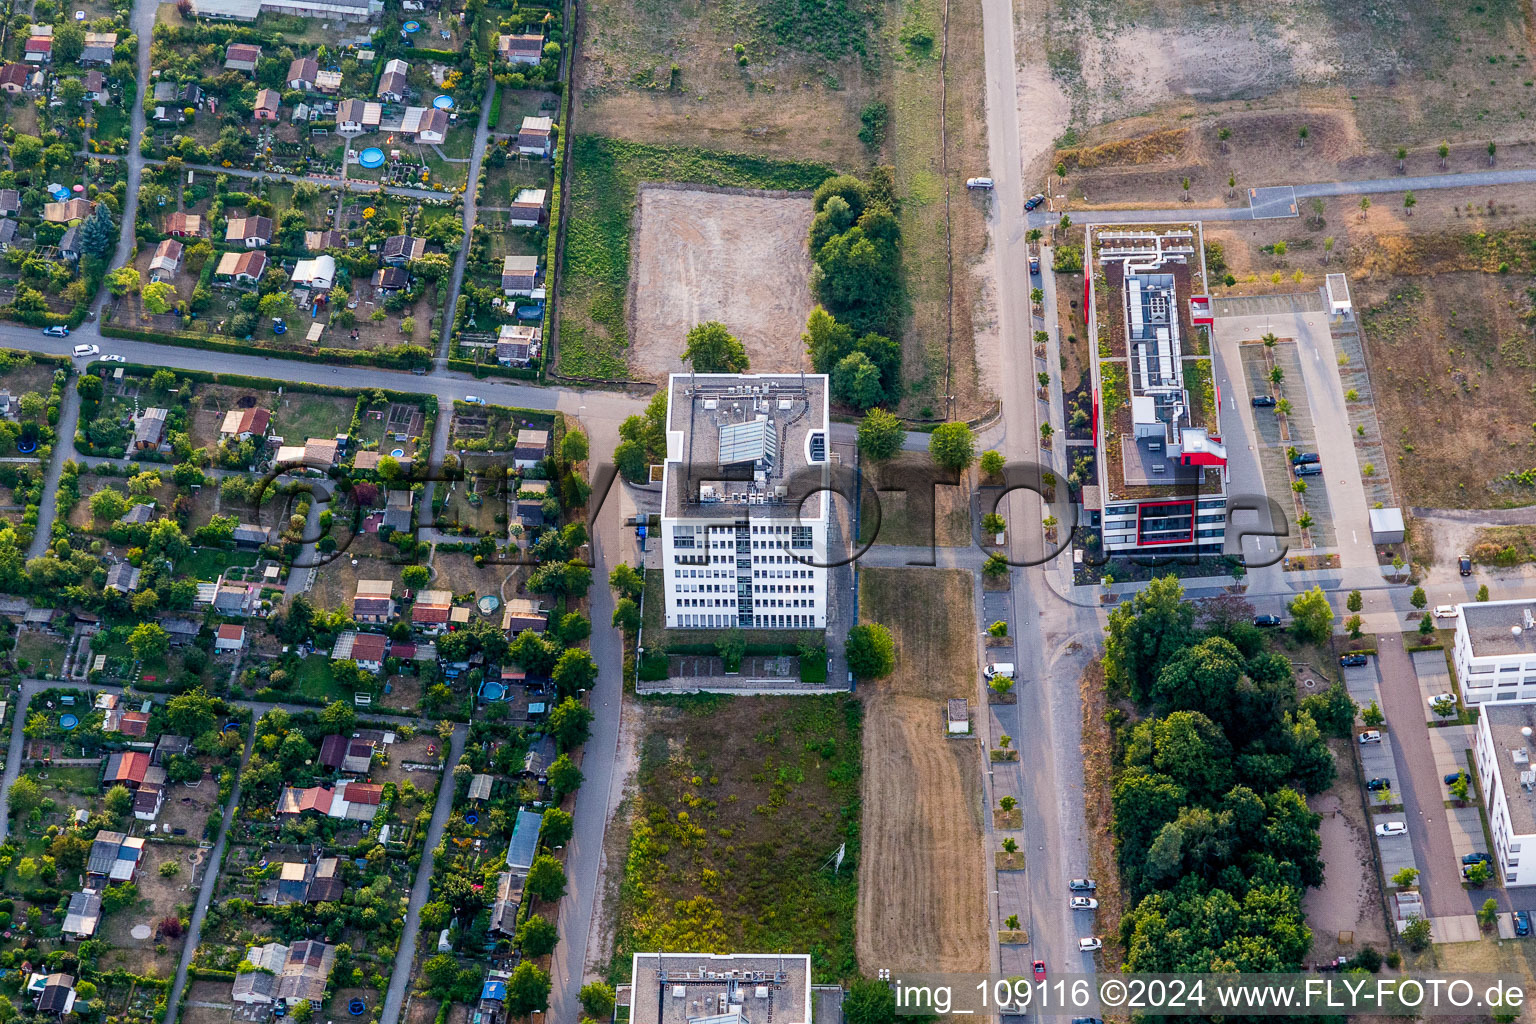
740 548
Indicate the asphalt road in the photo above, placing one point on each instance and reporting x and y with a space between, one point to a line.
1046 719
401 976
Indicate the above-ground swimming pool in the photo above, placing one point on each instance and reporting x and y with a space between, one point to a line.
70 721
373 156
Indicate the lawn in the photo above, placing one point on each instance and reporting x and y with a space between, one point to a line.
42 655
208 563
657 636
304 415
314 680
731 841
605 174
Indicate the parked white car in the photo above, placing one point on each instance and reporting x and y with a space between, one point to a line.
1437 698
1445 611
1370 736
473 400
1089 945
1391 828
1084 903
982 183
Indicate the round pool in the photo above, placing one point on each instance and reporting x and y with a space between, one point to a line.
26 447
67 722
443 102
357 1007
61 194
373 156
412 26
492 691
398 453
471 818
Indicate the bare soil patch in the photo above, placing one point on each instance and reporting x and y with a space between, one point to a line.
921 892
1348 901
921 884
739 259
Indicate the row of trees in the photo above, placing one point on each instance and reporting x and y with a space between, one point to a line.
1214 839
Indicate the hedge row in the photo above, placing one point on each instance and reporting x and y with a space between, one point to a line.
388 360
556 198
492 369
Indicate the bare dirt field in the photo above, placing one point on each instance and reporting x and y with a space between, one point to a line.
1401 74
1348 901
738 259
159 897
922 885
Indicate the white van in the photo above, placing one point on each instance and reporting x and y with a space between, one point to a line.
1002 668
979 183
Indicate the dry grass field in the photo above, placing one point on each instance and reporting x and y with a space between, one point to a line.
922 880
740 259
905 515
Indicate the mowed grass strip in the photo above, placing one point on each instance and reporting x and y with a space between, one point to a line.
931 616
742 804
605 176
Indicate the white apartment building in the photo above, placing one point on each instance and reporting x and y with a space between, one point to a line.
1503 755
739 548
1495 651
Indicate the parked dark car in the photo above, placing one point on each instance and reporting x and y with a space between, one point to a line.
1476 858
1266 620
1263 401
1450 780
1522 923
1353 660
1377 785
1302 458
1082 885
1309 469
1034 200
1465 564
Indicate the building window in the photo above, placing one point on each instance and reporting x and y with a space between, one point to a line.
800 538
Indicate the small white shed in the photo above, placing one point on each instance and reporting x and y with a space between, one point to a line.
1387 526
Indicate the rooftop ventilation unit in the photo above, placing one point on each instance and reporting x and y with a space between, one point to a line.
1520 755
1528 620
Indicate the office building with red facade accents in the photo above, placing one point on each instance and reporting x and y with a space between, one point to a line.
1159 458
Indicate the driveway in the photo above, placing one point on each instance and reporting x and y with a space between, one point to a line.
1419 784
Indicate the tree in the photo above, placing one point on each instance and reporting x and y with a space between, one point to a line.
1327 249
1303 133
546 878
1479 874
1402 155
1409 202
1488 913
1144 633
626 581
952 445
118 801
1426 626
148 641
1492 149
573 447
337 717
1355 601
564 776
26 151
122 281
597 1000
992 523
68 42
527 990
626 615
870 1001
880 435
414 577
569 723
89 387
1365 206
871 651
992 463
1352 627
1461 787
1418 598
108 504
856 381
537 936
191 713
712 349
1406 877
1312 615
157 296
462 898
558 827
97 234
26 796
574 670
1372 715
